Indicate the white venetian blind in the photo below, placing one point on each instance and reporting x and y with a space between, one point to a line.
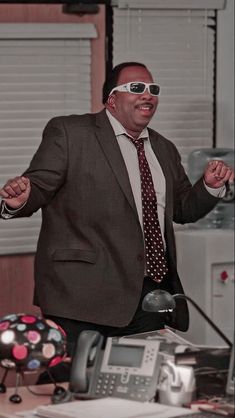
178 46
44 72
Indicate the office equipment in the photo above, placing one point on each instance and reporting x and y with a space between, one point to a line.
125 368
111 406
177 384
206 268
161 301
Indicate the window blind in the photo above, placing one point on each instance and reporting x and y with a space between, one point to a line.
178 46
44 72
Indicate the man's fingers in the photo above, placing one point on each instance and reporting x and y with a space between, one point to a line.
25 180
227 175
3 193
212 165
22 183
14 187
220 170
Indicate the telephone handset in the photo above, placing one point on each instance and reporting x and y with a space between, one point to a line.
125 368
87 351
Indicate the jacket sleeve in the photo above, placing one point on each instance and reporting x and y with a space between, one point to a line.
191 202
48 167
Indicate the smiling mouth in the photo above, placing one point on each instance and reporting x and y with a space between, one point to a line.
145 106
148 107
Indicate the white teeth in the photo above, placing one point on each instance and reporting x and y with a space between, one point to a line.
145 107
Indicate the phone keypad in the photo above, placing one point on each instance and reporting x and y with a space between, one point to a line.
105 384
145 381
113 385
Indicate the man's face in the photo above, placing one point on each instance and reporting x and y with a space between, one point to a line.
134 111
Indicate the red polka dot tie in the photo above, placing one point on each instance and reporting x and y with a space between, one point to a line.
156 265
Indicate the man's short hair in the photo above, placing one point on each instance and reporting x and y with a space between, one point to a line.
112 77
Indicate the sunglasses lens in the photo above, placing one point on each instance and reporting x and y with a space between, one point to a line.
154 89
137 88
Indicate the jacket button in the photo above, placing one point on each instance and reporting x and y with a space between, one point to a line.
140 257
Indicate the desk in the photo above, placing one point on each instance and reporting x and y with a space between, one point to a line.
29 401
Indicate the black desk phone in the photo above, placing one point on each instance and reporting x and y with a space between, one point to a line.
125 368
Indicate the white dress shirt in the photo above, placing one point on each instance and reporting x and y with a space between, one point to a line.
130 157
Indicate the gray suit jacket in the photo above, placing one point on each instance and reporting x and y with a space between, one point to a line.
89 263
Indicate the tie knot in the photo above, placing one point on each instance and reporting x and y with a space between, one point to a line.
139 143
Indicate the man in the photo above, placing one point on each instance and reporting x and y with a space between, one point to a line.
91 267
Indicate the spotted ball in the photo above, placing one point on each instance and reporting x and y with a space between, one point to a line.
30 342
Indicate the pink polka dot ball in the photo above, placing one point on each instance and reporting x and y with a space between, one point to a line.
30 342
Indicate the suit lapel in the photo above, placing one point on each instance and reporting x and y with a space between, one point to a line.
109 144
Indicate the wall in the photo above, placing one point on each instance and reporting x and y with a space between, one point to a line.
225 77
34 13
16 271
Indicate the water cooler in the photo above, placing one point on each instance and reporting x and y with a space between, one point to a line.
206 268
205 255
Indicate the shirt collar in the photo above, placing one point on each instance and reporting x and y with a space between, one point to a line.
120 130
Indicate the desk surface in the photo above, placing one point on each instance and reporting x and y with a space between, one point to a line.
29 400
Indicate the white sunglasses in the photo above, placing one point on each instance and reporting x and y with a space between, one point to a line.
138 87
